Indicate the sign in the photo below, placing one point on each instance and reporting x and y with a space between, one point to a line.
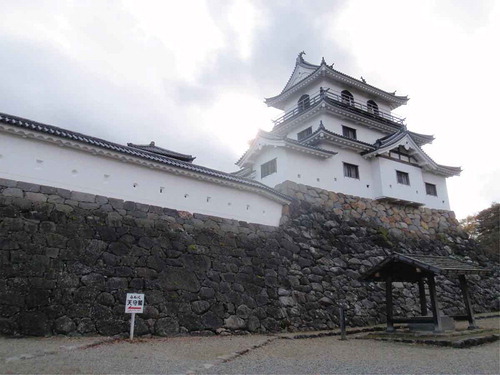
134 303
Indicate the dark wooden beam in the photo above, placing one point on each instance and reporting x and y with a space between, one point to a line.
414 319
388 301
434 304
468 305
421 292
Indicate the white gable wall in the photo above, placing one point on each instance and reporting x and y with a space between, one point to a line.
415 192
40 162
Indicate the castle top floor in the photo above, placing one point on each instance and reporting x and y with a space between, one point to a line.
307 81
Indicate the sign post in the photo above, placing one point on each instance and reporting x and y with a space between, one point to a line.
134 304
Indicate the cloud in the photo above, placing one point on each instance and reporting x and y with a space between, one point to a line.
193 77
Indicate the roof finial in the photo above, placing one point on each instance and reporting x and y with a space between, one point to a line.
321 126
364 80
300 58
152 143
323 60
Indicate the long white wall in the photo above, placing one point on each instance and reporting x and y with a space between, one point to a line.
41 162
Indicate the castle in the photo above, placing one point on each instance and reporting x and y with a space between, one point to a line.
337 133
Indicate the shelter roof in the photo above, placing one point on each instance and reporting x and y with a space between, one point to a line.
67 137
411 267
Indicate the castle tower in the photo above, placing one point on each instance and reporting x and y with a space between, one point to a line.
338 133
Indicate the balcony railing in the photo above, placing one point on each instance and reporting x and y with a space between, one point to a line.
339 100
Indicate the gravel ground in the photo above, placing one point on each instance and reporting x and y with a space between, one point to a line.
329 355
252 354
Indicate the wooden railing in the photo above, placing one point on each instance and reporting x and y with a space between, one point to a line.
341 100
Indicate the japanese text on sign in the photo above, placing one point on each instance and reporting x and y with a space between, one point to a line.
134 303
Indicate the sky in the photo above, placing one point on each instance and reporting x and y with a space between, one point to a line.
192 75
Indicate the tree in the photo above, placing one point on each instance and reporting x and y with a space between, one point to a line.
488 229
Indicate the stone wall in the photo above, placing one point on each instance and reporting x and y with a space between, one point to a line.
399 221
69 258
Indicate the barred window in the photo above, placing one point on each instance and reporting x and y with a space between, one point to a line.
268 168
430 189
304 102
351 170
372 107
349 132
403 178
347 98
304 133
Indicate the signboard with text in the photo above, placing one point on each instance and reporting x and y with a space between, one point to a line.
134 303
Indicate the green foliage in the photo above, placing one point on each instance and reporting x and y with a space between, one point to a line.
485 228
488 229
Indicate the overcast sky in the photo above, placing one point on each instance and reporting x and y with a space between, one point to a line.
192 75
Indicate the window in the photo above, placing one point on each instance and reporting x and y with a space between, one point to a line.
430 189
304 133
351 170
304 102
348 132
372 107
403 178
401 154
347 98
268 168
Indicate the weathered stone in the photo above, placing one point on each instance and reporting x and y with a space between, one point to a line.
34 323
13 192
166 326
179 279
64 325
82 197
199 307
234 322
36 197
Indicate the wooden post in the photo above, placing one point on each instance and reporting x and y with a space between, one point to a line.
468 305
423 302
388 301
434 304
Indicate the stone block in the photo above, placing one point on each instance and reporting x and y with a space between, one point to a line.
166 326
82 197
13 192
64 325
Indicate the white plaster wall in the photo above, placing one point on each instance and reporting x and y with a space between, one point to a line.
324 173
364 134
40 162
363 186
269 153
389 187
334 123
377 176
440 201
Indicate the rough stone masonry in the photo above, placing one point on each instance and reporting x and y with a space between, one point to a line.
69 258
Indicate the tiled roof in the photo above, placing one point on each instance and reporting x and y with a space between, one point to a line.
163 151
301 61
22 123
322 129
397 265
386 142
289 141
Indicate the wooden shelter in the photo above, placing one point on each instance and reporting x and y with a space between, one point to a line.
418 269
